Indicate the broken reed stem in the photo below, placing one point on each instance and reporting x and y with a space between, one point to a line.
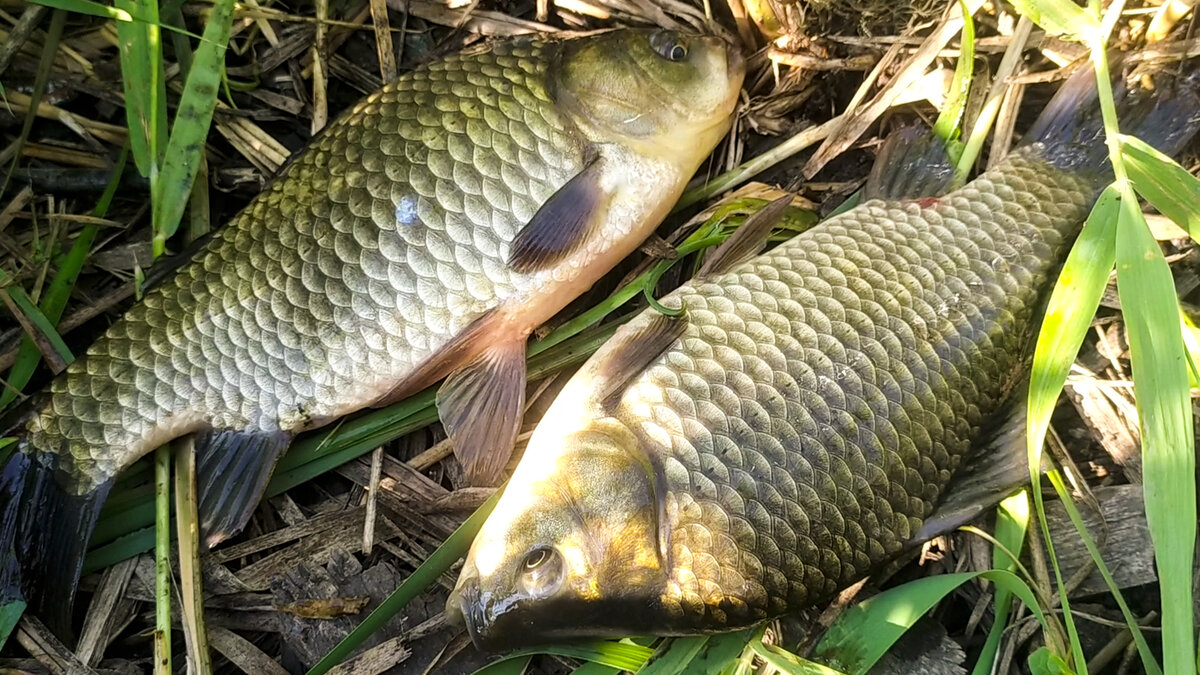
188 534
731 179
162 561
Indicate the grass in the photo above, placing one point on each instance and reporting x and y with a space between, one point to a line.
1115 237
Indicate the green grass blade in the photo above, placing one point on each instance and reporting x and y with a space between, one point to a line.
43 332
88 7
1164 183
864 633
162 561
1160 384
946 127
1061 17
1045 662
1072 305
619 655
190 129
786 662
513 665
1012 522
439 561
700 654
142 77
1149 664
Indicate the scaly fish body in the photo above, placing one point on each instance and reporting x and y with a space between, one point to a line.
795 430
426 232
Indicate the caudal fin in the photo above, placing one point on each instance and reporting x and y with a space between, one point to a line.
1071 126
44 531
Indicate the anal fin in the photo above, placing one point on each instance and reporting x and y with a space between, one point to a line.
911 164
995 468
232 471
481 406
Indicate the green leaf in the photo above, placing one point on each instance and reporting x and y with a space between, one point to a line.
190 130
10 614
142 78
1062 18
1164 183
514 665
864 633
619 655
1160 384
787 662
32 319
1069 313
1012 522
701 654
88 7
1045 662
946 127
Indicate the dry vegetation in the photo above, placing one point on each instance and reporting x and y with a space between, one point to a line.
318 556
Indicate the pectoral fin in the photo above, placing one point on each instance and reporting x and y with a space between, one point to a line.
563 223
481 406
232 471
747 241
633 355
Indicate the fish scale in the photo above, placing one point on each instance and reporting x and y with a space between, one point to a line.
320 291
823 394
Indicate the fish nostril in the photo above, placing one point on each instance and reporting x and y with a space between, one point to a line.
454 610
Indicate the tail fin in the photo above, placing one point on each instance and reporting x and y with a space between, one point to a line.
1071 127
44 531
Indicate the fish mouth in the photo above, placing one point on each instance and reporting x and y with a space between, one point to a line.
464 609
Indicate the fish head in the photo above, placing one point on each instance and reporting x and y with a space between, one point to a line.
573 547
653 88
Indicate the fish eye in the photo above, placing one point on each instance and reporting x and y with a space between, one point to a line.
541 571
536 558
669 46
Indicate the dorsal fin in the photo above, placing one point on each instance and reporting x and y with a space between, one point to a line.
636 352
911 164
747 241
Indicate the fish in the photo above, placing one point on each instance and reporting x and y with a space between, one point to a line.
421 236
810 413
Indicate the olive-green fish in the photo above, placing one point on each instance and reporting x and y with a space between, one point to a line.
808 415
424 234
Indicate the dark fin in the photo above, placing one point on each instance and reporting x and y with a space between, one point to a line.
995 468
455 354
635 353
481 406
165 268
232 472
911 164
44 532
1071 129
564 222
747 241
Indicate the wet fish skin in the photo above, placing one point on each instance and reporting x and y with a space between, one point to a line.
798 428
358 275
